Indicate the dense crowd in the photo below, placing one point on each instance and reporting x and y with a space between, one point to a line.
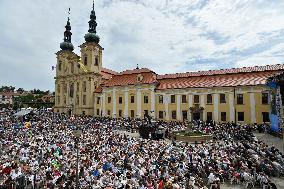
44 155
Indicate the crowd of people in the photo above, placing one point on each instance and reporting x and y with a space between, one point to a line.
44 155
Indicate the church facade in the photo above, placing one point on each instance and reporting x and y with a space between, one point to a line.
83 86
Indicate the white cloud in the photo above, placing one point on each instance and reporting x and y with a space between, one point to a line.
165 35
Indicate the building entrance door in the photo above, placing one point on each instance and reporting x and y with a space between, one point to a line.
69 112
196 116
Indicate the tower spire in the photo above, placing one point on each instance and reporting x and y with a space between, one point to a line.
67 44
91 36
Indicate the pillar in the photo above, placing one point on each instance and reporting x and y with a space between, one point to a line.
104 105
252 108
153 113
113 104
202 104
126 102
178 107
138 96
216 107
232 107
167 98
190 104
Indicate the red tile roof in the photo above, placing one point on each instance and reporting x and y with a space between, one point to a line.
129 77
247 76
225 80
107 73
225 71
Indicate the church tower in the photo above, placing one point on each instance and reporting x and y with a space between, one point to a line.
91 65
65 71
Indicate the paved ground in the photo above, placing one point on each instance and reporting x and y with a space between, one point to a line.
271 140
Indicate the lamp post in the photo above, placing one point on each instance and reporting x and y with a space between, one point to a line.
77 134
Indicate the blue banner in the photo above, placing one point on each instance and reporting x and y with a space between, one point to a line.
274 122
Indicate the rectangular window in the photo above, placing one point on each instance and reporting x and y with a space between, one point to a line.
161 115
108 112
173 99
98 111
240 99
109 99
78 86
161 99
120 113
241 116
223 116
98 100
184 114
174 114
132 99
265 117
264 98
96 61
84 86
86 60
209 116
183 99
58 99
145 99
222 98
84 99
196 99
209 98
120 100
132 113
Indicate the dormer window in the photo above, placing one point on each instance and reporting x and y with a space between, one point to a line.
96 61
139 78
85 60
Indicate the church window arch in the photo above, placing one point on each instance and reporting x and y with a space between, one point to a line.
59 66
84 86
85 60
96 61
72 67
71 92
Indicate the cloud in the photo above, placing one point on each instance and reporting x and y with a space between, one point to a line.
166 36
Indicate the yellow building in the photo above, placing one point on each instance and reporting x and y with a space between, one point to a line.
83 86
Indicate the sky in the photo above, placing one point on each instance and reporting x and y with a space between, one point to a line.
166 36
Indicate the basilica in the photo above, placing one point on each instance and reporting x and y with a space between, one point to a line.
84 86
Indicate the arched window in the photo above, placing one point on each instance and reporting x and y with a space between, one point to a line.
58 88
77 99
96 61
64 99
85 60
71 92
84 86
72 67
77 87
59 66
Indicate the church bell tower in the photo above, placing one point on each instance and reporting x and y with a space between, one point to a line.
65 69
91 64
